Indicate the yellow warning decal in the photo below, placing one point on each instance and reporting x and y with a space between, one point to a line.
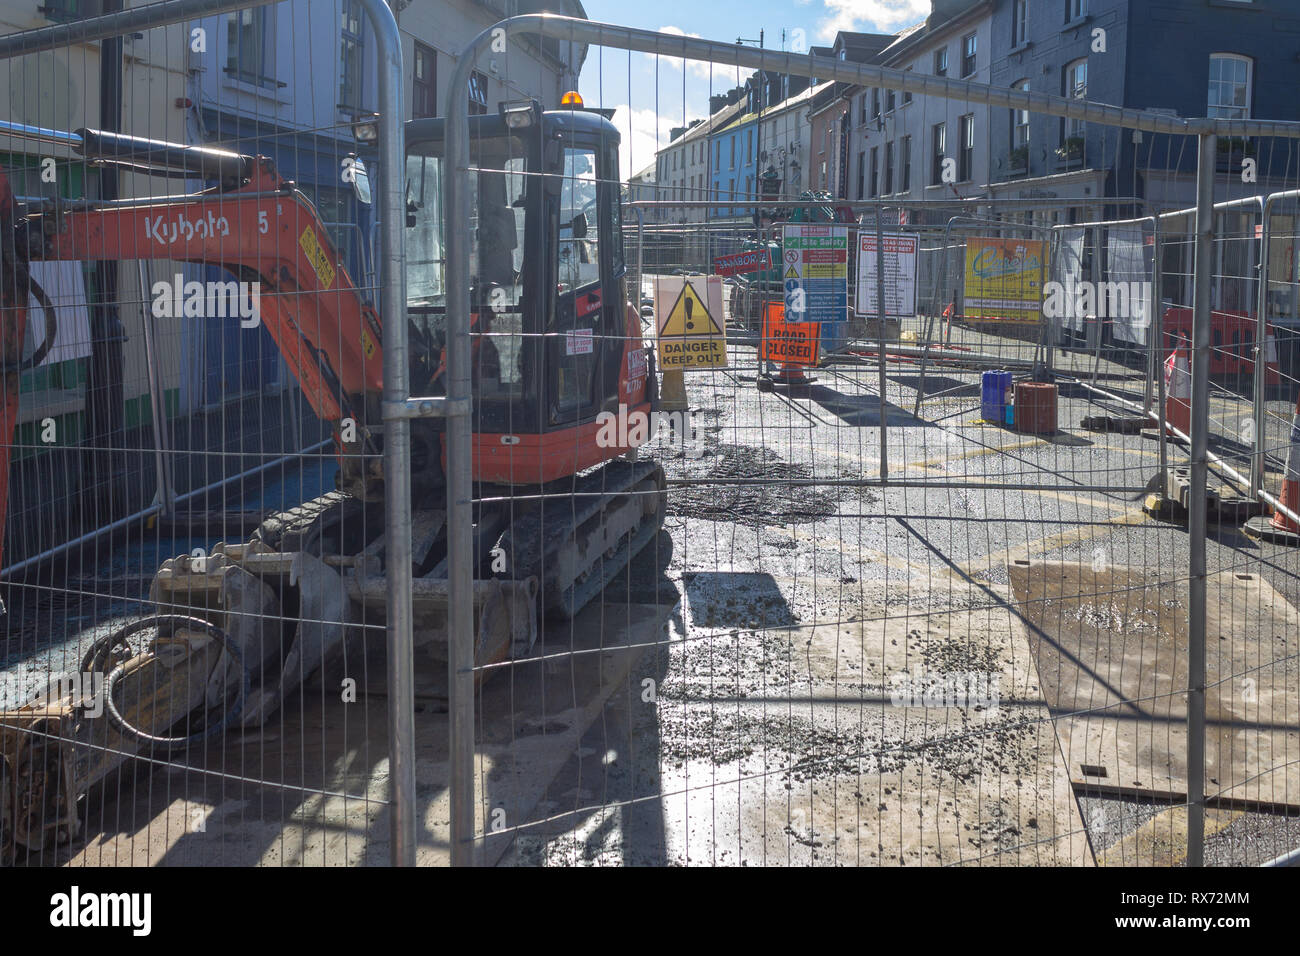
791 273
367 344
689 316
316 256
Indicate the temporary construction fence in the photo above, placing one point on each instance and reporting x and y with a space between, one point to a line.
191 327
858 619
801 667
1252 370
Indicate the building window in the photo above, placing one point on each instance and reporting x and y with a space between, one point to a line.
875 171
966 155
247 36
938 140
424 88
862 173
889 169
478 94
1075 9
1076 87
351 57
968 56
907 95
1020 22
1230 77
905 164
732 165
862 109
941 61
717 154
875 104
889 101
1020 120
749 145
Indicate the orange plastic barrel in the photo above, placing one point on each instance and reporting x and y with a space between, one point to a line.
1035 408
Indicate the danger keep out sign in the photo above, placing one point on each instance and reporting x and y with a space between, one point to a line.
690 323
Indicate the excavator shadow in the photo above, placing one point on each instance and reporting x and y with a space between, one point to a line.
310 787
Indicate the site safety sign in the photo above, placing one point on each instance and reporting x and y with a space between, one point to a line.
815 270
691 329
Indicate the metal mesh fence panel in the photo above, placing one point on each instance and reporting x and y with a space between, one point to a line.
898 470
933 597
193 643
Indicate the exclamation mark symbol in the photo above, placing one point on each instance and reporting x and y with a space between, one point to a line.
690 307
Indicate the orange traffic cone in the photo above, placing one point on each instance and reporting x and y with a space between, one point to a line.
1178 392
1281 527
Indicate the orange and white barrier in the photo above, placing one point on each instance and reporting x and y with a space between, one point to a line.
1178 391
1290 496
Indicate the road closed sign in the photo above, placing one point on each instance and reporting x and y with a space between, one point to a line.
789 343
691 329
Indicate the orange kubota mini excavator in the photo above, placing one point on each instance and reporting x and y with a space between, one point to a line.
556 344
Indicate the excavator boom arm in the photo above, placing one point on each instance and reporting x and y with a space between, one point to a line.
266 230
259 228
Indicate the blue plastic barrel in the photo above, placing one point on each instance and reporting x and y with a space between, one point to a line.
993 395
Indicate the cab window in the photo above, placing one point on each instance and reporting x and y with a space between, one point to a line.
579 245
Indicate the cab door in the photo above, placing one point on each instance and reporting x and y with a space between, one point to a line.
576 317
585 339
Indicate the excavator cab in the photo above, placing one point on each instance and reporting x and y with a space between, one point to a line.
553 345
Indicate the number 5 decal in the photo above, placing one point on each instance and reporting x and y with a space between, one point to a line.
262 225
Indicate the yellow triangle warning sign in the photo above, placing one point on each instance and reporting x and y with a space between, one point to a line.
791 273
689 316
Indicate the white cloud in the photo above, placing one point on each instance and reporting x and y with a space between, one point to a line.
642 133
700 68
869 16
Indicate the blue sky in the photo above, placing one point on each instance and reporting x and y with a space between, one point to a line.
663 95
